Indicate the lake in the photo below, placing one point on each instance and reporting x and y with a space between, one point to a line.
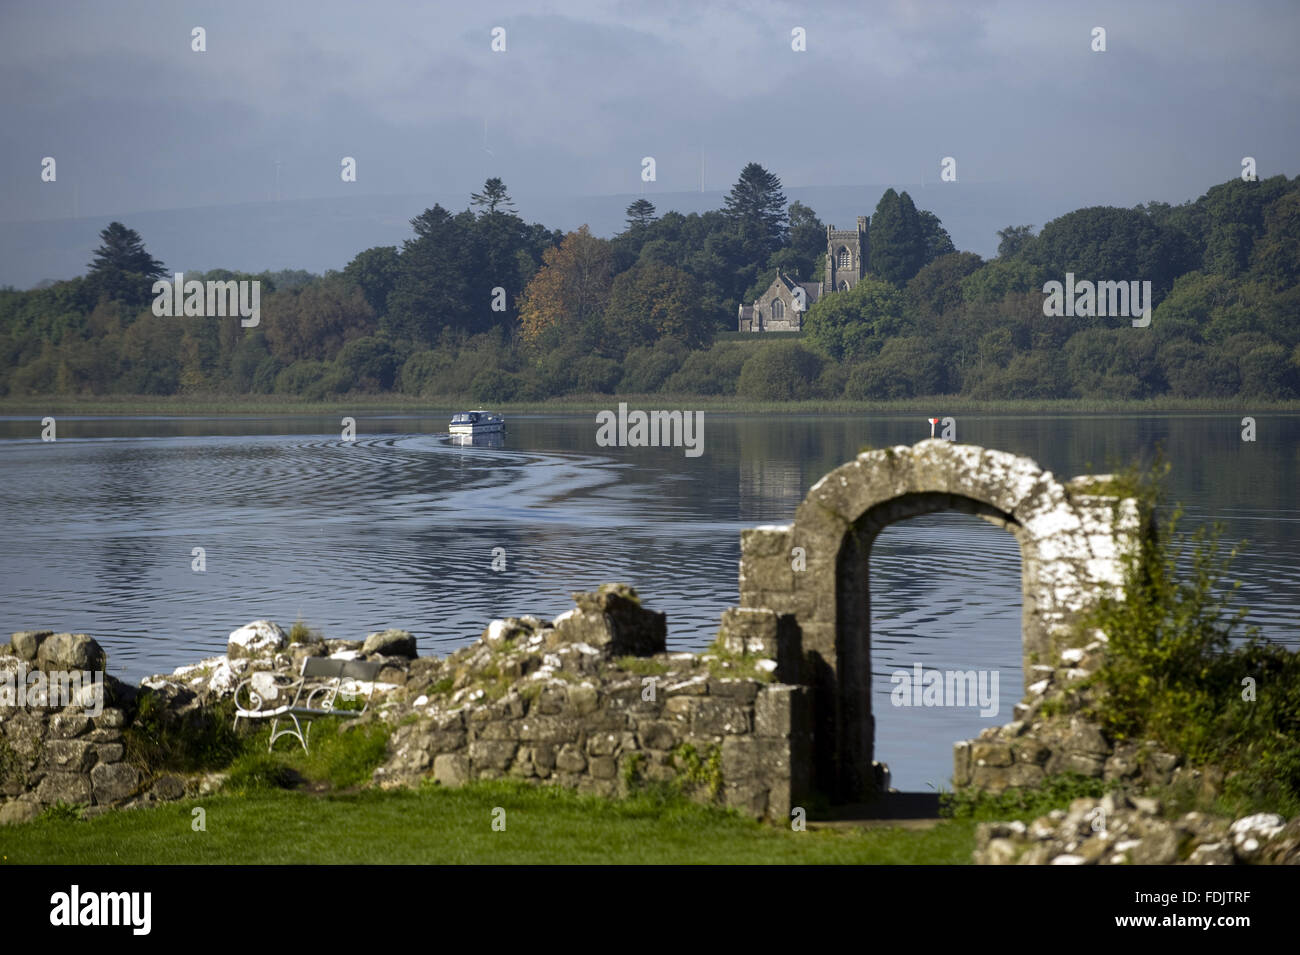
400 528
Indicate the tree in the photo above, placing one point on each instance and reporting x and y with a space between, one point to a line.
640 214
756 207
570 289
122 269
935 240
375 272
493 195
1104 243
897 243
1276 258
433 290
1013 239
316 321
853 325
653 301
807 244
938 286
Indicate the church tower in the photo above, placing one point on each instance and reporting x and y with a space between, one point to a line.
846 256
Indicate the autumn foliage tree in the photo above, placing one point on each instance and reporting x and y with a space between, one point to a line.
570 290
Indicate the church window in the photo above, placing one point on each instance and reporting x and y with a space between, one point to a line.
778 309
846 258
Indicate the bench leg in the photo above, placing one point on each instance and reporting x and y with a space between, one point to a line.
296 732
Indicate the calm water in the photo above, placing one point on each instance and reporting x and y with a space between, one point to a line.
398 529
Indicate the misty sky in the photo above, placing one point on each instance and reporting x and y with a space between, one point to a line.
137 121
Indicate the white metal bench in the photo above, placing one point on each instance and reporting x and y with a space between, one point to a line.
315 693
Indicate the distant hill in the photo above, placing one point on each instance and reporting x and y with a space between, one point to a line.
321 234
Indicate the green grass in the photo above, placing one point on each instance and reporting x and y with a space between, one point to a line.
1057 792
436 825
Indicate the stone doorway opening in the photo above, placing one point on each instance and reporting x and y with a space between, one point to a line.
944 641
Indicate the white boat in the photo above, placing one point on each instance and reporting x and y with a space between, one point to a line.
477 422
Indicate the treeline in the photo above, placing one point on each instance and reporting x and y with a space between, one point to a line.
481 305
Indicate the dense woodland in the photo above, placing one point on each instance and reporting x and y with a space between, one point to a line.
481 306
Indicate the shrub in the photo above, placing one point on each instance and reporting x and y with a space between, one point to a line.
299 376
1176 667
492 387
423 372
712 372
780 372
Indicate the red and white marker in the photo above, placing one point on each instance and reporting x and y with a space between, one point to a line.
933 422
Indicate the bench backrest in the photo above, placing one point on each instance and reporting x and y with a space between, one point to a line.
325 668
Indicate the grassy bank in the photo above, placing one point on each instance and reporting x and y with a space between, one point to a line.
436 825
404 404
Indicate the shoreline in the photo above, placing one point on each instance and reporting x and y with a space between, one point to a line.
388 404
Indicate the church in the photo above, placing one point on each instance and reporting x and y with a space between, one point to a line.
781 308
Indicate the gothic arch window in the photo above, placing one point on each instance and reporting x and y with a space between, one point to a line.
844 286
778 309
845 258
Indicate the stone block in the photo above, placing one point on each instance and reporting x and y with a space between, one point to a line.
111 718
719 718
26 643
739 690
991 753
261 638
602 744
70 651
491 754
390 643
70 788
69 755
570 759
451 769
657 735
747 631
548 729
68 725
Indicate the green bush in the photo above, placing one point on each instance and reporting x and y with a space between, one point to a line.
712 372
785 371
1178 671
493 387
295 379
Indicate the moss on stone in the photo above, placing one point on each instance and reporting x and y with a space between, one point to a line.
696 772
643 666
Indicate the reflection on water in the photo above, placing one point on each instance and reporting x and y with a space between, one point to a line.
399 527
494 440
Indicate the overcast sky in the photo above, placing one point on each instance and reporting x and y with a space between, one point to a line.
137 121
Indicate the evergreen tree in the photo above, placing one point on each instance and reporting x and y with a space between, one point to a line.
493 196
123 270
895 238
935 240
756 206
640 213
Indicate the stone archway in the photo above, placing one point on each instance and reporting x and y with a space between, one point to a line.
813 575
